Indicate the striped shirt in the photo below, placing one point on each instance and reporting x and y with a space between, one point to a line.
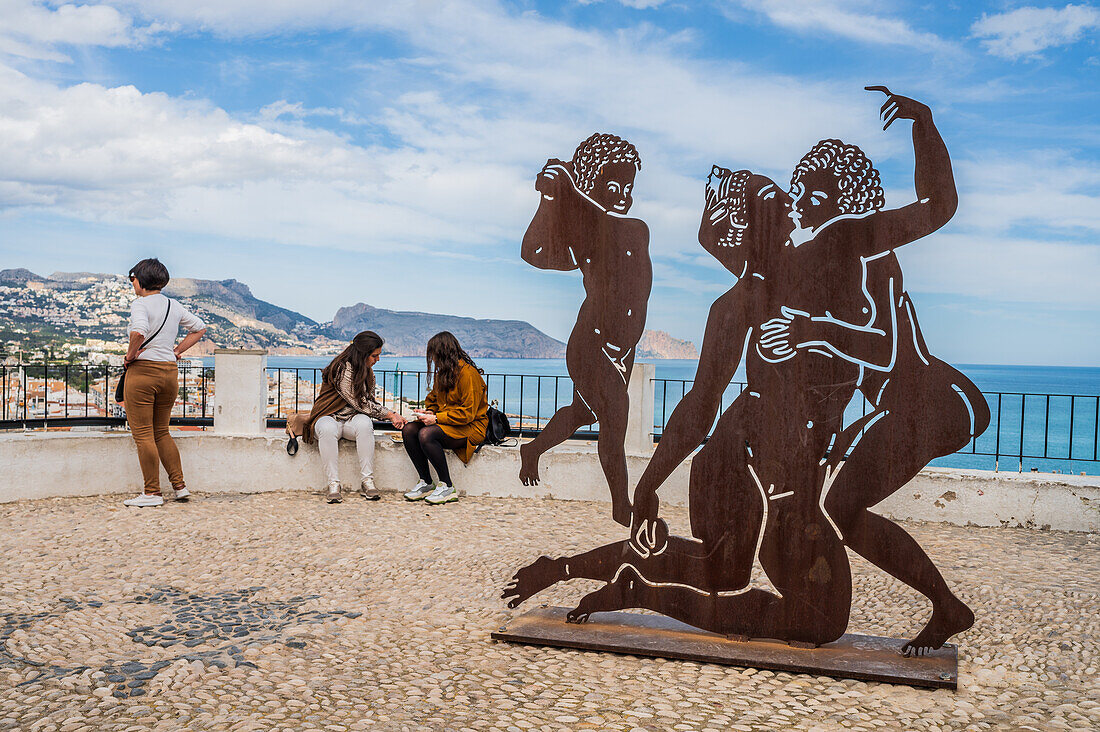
345 387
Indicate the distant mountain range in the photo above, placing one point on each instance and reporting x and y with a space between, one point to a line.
406 333
39 312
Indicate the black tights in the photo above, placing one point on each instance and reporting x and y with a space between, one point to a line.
425 444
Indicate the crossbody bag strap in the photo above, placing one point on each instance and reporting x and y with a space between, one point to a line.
158 330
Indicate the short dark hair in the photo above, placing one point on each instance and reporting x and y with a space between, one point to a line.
150 274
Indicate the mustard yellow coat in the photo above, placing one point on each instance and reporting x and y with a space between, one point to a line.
463 411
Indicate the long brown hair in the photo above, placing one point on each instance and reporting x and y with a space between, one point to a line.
355 355
445 358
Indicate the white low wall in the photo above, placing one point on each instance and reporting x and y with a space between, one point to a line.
45 465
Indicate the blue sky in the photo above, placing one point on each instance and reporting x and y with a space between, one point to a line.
339 151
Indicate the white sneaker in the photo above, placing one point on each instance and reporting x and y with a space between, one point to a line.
443 493
333 493
368 490
144 501
420 490
183 494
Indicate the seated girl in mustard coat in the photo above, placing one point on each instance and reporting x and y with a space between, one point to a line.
454 417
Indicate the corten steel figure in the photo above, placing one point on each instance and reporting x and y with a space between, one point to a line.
581 223
761 436
762 468
928 408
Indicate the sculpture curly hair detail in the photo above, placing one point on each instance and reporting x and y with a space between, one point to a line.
859 180
596 152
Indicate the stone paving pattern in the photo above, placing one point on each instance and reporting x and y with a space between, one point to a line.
277 611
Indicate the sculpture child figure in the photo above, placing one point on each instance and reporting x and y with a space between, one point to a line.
581 223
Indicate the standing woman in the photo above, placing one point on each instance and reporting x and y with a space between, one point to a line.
152 379
346 407
455 416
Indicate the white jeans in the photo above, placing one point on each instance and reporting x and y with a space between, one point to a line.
329 431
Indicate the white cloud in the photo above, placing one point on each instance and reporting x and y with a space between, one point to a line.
34 30
1028 31
235 18
271 113
846 19
1002 268
88 137
636 4
1045 190
1024 232
495 94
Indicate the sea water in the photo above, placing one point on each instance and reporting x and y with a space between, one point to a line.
1046 400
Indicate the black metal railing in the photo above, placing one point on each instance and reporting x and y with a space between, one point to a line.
667 393
529 400
1044 432
1047 432
45 395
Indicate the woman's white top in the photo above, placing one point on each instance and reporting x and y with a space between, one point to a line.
146 315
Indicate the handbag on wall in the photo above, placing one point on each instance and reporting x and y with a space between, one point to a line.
497 430
119 388
295 427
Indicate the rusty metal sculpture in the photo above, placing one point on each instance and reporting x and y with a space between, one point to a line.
581 223
817 312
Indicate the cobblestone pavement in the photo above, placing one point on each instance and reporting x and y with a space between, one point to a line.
277 611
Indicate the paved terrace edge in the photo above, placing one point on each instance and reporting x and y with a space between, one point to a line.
36 465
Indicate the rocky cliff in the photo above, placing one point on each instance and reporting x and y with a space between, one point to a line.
659 344
237 302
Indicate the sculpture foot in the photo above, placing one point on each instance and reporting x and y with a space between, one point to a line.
611 596
528 465
947 620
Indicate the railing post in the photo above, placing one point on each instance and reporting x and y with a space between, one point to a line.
639 424
240 391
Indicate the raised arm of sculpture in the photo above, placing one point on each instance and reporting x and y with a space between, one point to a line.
564 222
937 197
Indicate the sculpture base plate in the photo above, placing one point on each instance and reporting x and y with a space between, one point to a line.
864 657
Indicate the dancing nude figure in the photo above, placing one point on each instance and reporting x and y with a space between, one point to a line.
581 223
762 468
927 407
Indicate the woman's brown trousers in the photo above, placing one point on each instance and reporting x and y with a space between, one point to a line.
150 391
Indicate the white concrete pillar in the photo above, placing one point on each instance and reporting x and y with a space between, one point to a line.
240 391
639 425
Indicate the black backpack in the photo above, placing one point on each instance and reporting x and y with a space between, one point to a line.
497 430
